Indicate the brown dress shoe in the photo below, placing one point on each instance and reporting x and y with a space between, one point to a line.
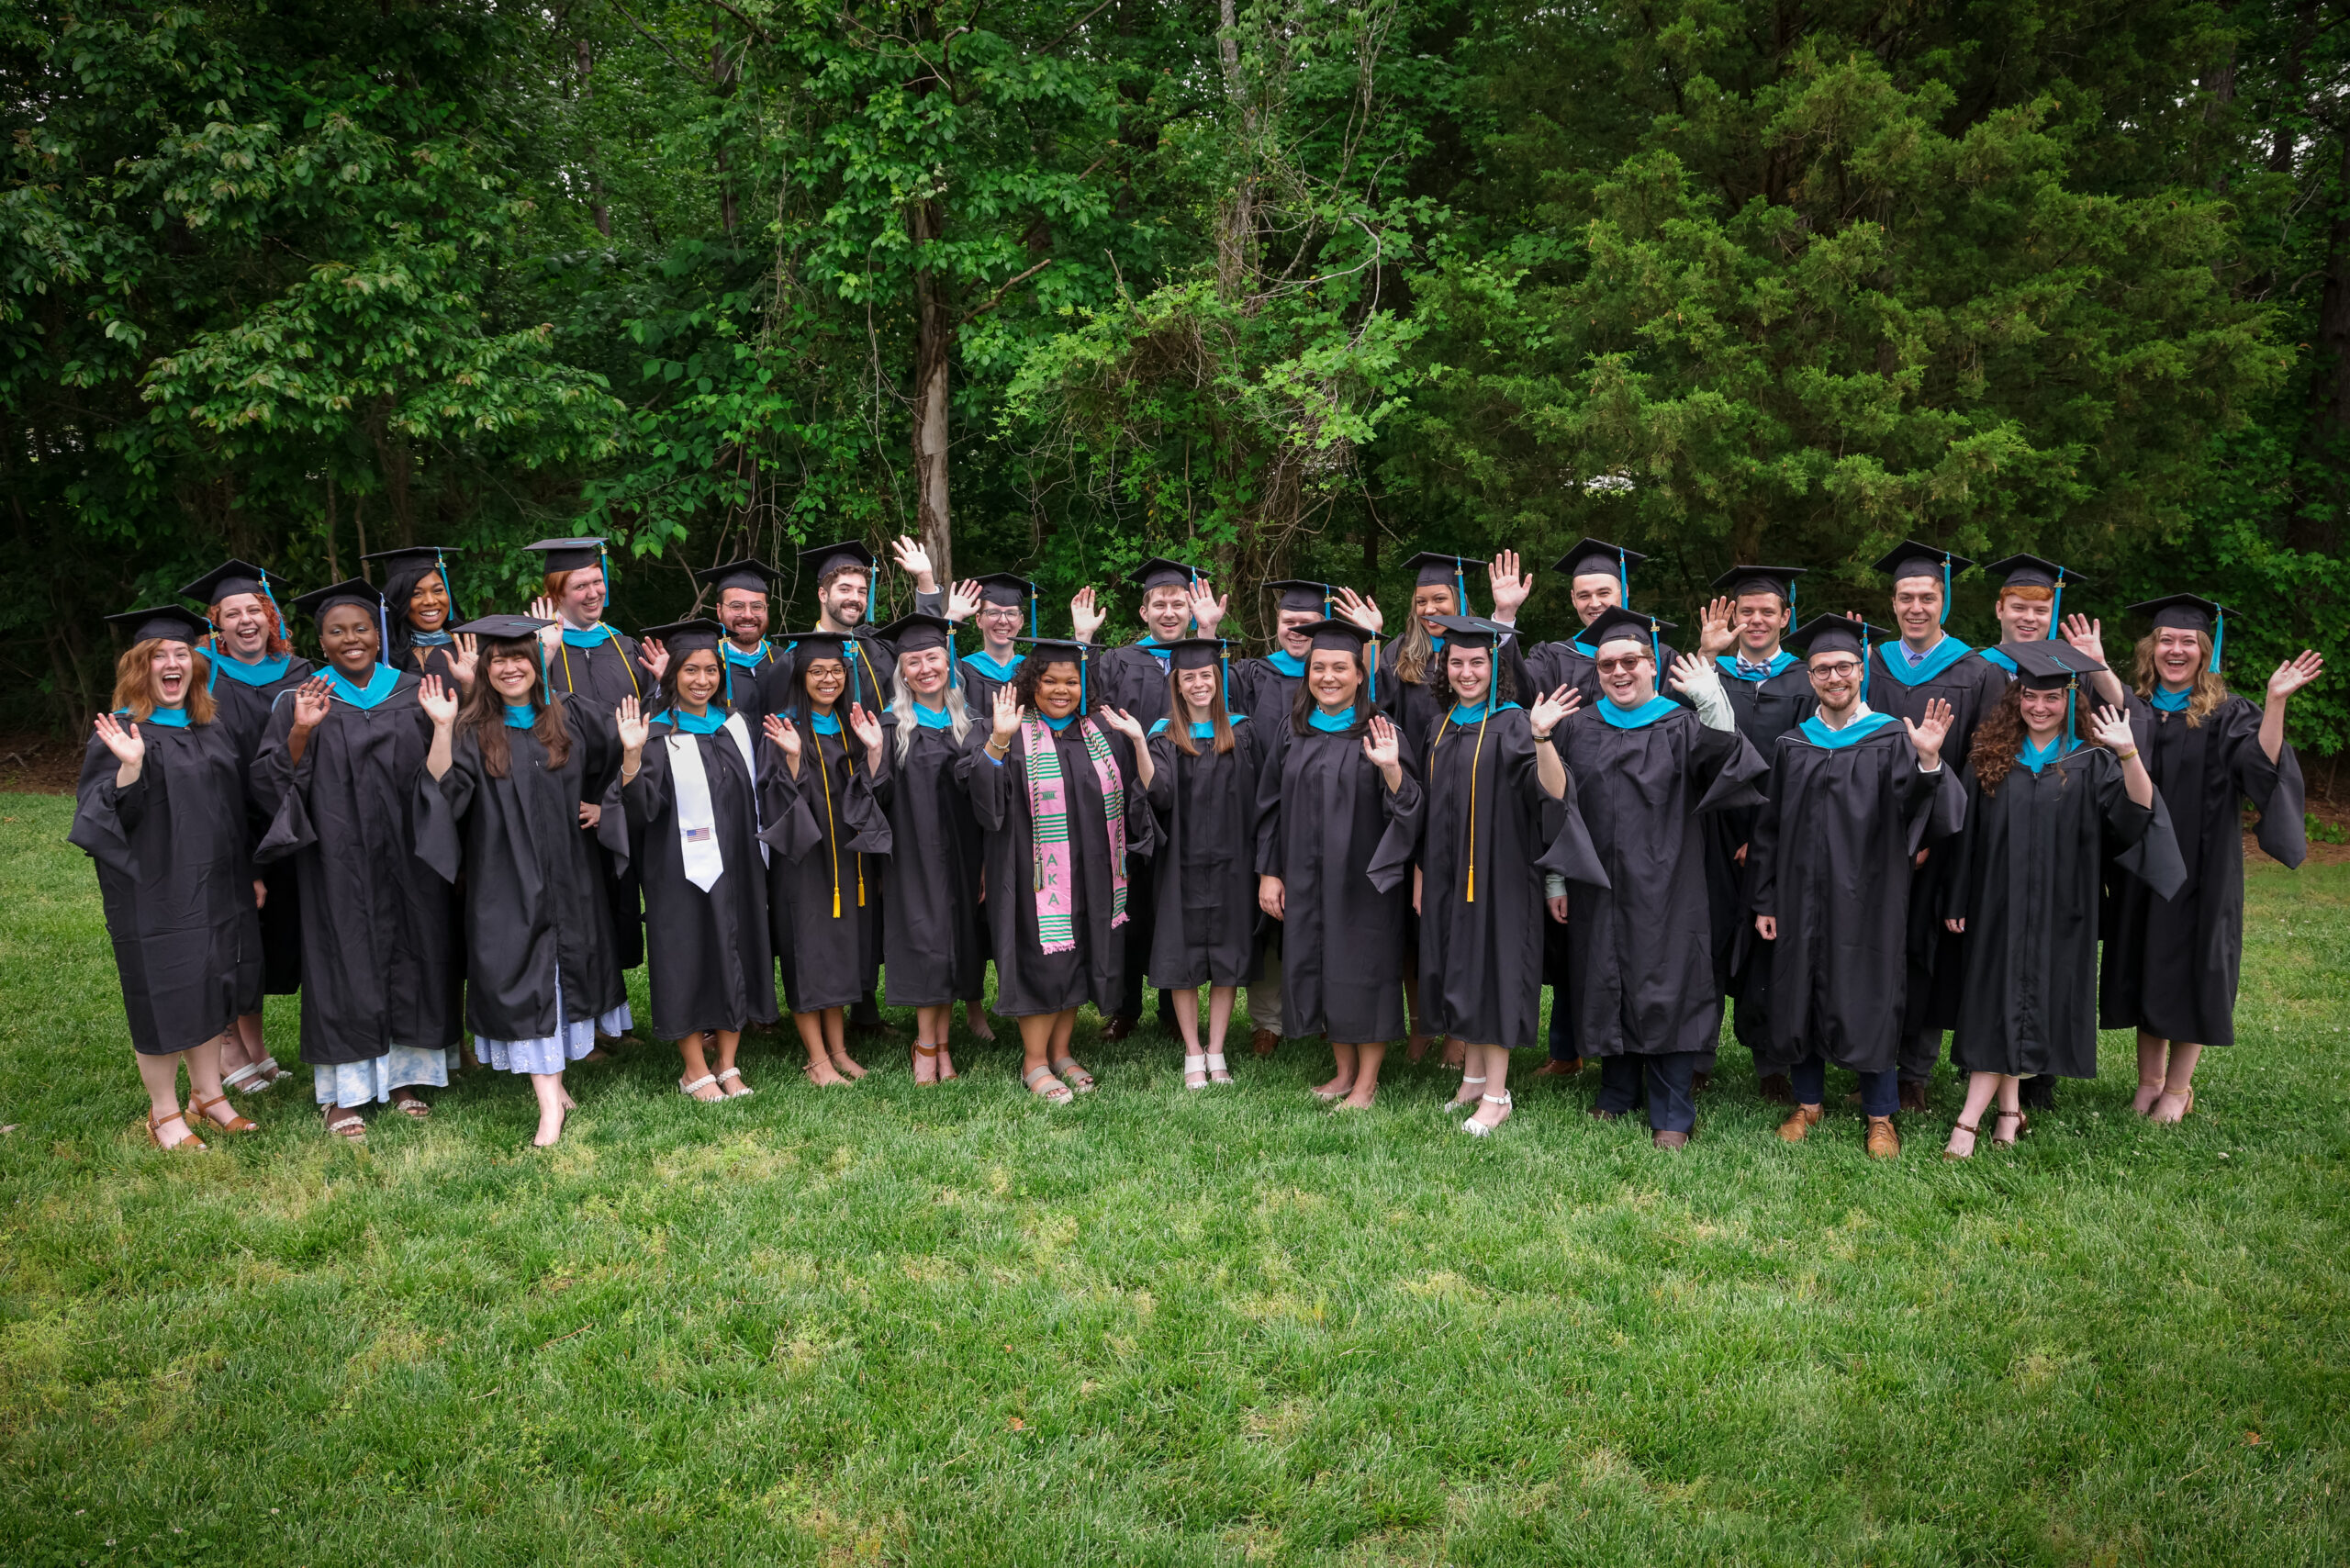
1555 1067
1670 1140
1884 1142
1264 1042
1119 1028
1700 1082
1776 1088
1913 1097
1802 1122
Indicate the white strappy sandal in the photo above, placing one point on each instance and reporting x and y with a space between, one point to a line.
1195 1064
1468 1104
742 1091
1218 1071
693 1091
1476 1128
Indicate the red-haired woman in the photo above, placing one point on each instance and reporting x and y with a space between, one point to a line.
252 664
161 809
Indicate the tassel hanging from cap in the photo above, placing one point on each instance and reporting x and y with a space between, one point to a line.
1943 619
2056 606
2219 634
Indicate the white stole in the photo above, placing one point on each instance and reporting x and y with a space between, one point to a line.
697 818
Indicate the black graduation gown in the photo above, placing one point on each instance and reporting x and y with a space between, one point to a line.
1029 981
1973 686
1264 690
1639 950
1133 679
933 928
1486 817
709 954
603 675
2171 964
410 658
1415 706
1342 844
175 877
756 689
245 710
2026 876
1205 930
979 688
1554 665
534 904
1764 709
1830 859
381 931
829 829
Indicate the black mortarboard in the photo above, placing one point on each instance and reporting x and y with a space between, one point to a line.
2031 571
912 633
503 628
413 555
570 555
1615 623
234 577
1911 559
848 553
2049 665
1470 631
811 645
169 621
1834 633
2189 612
1780 580
1336 636
682 637
1597 557
1196 653
350 590
1432 567
1161 572
1297 593
746 573
1004 588
1045 651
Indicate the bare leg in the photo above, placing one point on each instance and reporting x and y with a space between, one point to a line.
1037 1042
1187 1024
162 1077
697 1068
1067 1067
836 1042
1980 1087
1494 1062
819 1056
1220 1002
2179 1083
2153 1062
204 1076
553 1105
2008 1119
931 1024
240 1047
975 1019
1472 1071
1367 1058
1416 1048
729 1042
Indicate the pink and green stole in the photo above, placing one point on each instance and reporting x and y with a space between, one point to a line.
1048 816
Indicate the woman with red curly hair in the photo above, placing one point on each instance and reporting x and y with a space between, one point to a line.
161 809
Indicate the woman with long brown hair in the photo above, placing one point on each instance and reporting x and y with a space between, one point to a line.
1204 761
2045 815
511 795
161 809
2172 963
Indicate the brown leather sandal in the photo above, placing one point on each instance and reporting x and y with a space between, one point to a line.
1972 1129
2000 1116
192 1143
235 1124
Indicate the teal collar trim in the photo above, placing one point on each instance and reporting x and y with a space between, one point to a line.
170 718
379 686
521 718
742 660
1780 663
1993 655
1331 724
1639 718
1585 649
987 665
1057 725
931 718
825 723
1817 732
2169 701
1465 715
1894 656
596 636
2034 756
1286 662
429 638
261 672
706 722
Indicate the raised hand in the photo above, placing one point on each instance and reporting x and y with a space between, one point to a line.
1688 670
654 657
786 738
1004 719
542 609
129 748
864 726
464 658
440 703
1362 612
1126 724
1087 614
2295 673
2086 635
1929 735
914 561
312 700
1382 747
1550 708
629 720
963 601
1717 633
1510 586
2110 727
1207 610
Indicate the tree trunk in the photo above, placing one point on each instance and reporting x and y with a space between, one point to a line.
933 345
585 63
2330 394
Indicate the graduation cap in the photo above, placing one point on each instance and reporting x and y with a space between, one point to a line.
2189 612
748 573
1335 636
1911 559
1471 632
912 633
408 565
824 558
684 638
1616 624
1010 589
1046 650
2035 571
1298 593
571 554
2053 666
1159 572
503 628
1431 568
1598 558
168 622
231 577
1833 634
350 590
1740 581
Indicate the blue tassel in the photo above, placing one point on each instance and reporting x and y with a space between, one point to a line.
1623 578
2219 636
2056 609
1943 620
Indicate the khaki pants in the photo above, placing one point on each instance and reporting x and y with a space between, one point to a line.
1265 995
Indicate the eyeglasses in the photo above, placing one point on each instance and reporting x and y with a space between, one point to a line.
997 611
1840 668
1626 665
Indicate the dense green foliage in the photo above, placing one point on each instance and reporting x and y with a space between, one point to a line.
953 1325
1278 286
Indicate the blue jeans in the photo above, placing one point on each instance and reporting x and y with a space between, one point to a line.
1880 1091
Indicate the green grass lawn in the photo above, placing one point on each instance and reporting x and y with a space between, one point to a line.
952 1325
